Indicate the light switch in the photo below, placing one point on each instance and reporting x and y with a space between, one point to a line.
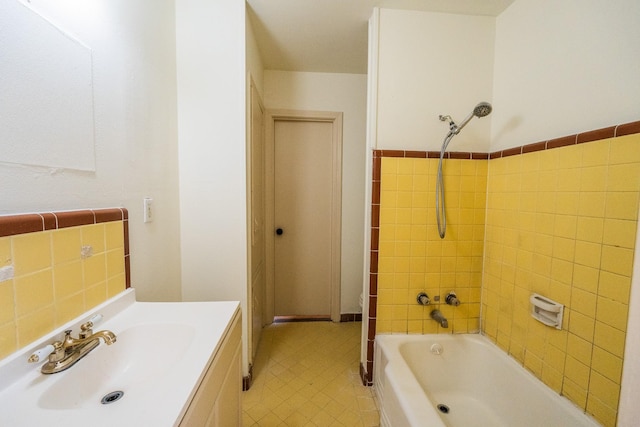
148 209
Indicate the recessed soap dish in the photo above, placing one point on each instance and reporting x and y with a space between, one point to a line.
546 311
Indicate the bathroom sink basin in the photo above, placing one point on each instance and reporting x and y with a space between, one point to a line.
139 354
158 360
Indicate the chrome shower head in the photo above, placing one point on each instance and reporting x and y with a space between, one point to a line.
482 109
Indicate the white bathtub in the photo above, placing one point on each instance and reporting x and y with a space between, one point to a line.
479 383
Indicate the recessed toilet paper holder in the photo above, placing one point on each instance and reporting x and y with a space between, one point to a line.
546 311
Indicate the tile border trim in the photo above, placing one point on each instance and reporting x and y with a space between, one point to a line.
431 154
564 141
15 224
366 372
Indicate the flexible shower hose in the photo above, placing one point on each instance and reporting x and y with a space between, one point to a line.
441 217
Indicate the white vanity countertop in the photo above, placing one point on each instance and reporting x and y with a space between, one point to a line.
160 355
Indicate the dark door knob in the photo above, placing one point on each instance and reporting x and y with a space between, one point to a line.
279 231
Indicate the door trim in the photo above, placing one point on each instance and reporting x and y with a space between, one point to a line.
335 118
253 100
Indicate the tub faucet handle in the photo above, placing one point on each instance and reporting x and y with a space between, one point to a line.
423 299
452 299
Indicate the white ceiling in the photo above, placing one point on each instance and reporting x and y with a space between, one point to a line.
330 36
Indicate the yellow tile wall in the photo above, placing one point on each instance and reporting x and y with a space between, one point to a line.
562 223
412 258
53 283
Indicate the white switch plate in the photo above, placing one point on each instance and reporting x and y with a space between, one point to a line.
6 273
148 209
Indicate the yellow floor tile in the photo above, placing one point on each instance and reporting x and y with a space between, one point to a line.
307 374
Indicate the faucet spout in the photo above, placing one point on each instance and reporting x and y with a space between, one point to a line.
438 317
71 343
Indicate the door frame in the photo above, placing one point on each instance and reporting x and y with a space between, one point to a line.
335 118
253 100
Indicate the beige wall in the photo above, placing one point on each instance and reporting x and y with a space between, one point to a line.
431 64
212 148
342 93
563 68
211 80
255 65
134 101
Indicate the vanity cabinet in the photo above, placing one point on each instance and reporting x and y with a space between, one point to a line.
217 401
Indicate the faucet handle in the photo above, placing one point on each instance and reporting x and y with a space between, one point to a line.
86 329
452 299
41 353
423 299
96 318
54 352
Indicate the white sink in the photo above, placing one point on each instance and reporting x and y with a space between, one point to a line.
161 352
140 354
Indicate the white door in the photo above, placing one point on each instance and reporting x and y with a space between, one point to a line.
306 217
302 215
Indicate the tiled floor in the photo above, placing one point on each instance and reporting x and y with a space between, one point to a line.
307 374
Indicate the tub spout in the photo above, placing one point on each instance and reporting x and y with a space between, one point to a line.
438 317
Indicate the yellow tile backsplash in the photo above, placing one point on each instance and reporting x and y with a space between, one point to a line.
31 252
584 226
33 291
413 258
53 283
65 245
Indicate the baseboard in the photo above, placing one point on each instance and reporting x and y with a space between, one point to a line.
351 317
285 319
246 381
366 377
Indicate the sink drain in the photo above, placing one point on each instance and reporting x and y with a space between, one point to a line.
112 397
443 408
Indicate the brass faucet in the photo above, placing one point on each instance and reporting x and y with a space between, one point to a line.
70 344
70 350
